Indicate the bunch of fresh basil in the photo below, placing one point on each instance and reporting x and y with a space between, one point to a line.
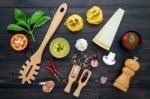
28 24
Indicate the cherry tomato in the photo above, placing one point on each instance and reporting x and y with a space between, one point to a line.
19 42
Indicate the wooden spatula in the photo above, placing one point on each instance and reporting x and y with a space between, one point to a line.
72 77
30 69
82 81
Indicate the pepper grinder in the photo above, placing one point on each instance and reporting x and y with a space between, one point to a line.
128 71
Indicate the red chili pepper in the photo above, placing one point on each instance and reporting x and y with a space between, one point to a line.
53 72
52 68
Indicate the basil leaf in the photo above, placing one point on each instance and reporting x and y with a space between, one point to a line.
28 21
15 27
19 15
36 16
132 39
42 21
21 22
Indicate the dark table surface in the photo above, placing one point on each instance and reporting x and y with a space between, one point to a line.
136 18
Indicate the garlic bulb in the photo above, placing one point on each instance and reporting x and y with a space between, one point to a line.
103 79
48 86
81 44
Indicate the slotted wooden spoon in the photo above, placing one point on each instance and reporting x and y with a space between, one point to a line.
30 69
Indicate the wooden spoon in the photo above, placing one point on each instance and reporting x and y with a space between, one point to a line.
29 70
86 74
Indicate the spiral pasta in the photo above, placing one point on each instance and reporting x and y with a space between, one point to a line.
94 15
74 23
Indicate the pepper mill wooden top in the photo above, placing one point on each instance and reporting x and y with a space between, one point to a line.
133 64
123 81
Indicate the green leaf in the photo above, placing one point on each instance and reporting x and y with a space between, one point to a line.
42 21
19 15
15 27
21 22
36 16
132 39
28 21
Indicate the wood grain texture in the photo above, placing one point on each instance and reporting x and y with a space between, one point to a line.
137 18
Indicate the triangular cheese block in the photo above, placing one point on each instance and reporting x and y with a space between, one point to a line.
105 36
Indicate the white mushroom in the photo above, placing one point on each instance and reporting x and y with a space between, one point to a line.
110 59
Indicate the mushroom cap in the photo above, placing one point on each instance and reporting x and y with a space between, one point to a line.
108 61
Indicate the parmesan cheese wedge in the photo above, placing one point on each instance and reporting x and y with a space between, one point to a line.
105 36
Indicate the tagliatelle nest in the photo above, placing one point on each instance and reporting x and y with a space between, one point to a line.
94 15
74 23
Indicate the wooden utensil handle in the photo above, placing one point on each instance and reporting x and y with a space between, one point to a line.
72 77
68 86
52 28
78 90
82 81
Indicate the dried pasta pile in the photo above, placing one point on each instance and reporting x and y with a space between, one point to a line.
94 15
74 23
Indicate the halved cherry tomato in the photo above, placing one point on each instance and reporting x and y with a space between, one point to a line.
19 42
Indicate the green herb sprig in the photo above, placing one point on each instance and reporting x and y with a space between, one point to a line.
60 47
132 39
28 24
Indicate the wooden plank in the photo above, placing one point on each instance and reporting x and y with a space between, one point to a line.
74 3
103 93
136 18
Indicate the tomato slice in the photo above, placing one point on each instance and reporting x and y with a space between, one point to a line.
19 42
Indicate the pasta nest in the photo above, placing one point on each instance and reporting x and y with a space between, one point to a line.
74 23
94 15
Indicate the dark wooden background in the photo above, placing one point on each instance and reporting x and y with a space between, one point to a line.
136 18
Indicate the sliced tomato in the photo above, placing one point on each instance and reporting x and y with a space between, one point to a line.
19 42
